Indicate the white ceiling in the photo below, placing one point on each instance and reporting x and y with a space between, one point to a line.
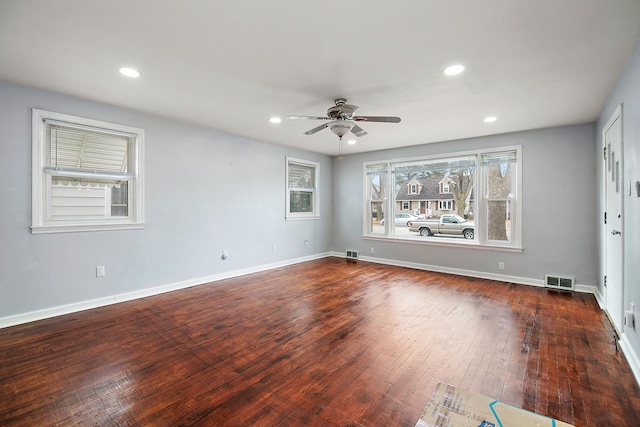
231 65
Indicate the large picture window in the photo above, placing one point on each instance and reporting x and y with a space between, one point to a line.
302 189
87 174
470 198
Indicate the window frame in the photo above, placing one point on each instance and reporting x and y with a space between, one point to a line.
480 240
42 174
315 211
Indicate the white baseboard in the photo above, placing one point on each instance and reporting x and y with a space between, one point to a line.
631 355
471 273
128 296
599 298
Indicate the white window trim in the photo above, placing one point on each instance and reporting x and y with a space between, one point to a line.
408 204
315 214
480 242
41 178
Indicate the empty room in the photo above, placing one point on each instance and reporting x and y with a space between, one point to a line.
418 213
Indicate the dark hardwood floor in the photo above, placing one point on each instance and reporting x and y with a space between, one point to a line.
328 342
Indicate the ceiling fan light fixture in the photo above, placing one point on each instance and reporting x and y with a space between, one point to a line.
454 70
351 141
275 119
340 127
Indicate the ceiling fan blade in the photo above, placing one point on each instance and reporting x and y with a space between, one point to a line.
316 129
376 119
358 131
307 118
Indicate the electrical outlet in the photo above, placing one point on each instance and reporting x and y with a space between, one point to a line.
501 265
306 242
101 271
225 254
372 250
274 248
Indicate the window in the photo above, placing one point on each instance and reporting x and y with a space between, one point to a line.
484 188
413 189
376 195
302 189
445 205
87 174
405 206
499 176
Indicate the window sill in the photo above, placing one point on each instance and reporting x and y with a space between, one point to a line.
446 242
48 229
299 218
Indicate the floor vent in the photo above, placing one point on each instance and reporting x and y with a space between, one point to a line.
557 282
351 254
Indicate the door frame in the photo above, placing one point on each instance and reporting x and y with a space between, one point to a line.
616 115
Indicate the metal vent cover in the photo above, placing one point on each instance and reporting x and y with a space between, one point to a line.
558 282
352 254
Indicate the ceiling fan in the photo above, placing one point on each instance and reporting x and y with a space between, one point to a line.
342 120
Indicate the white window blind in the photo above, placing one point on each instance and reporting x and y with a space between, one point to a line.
301 176
78 150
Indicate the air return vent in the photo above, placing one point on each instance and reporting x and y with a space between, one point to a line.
557 282
352 254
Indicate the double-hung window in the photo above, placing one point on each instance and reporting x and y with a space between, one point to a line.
302 189
481 187
87 174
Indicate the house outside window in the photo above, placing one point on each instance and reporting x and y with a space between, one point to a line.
413 189
484 187
87 174
302 189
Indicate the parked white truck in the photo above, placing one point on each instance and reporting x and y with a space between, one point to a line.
447 224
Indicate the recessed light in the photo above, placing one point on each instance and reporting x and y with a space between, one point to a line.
275 119
490 119
454 70
351 141
129 72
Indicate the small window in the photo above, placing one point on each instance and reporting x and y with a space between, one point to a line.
302 189
445 205
413 189
405 206
87 174
445 188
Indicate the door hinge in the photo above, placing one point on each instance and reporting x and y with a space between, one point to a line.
605 281
604 153
605 217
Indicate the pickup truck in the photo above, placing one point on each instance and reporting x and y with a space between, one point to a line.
447 224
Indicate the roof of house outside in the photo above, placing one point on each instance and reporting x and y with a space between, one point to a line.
429 190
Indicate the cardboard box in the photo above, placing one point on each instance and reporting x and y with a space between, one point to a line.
452 407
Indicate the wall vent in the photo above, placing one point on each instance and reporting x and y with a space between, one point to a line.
557 282
352 254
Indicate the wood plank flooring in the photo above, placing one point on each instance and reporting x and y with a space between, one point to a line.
326 343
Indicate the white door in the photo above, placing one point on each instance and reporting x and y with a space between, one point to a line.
614 188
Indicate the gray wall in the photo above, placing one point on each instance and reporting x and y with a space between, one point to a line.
205 191
627 92
559 207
